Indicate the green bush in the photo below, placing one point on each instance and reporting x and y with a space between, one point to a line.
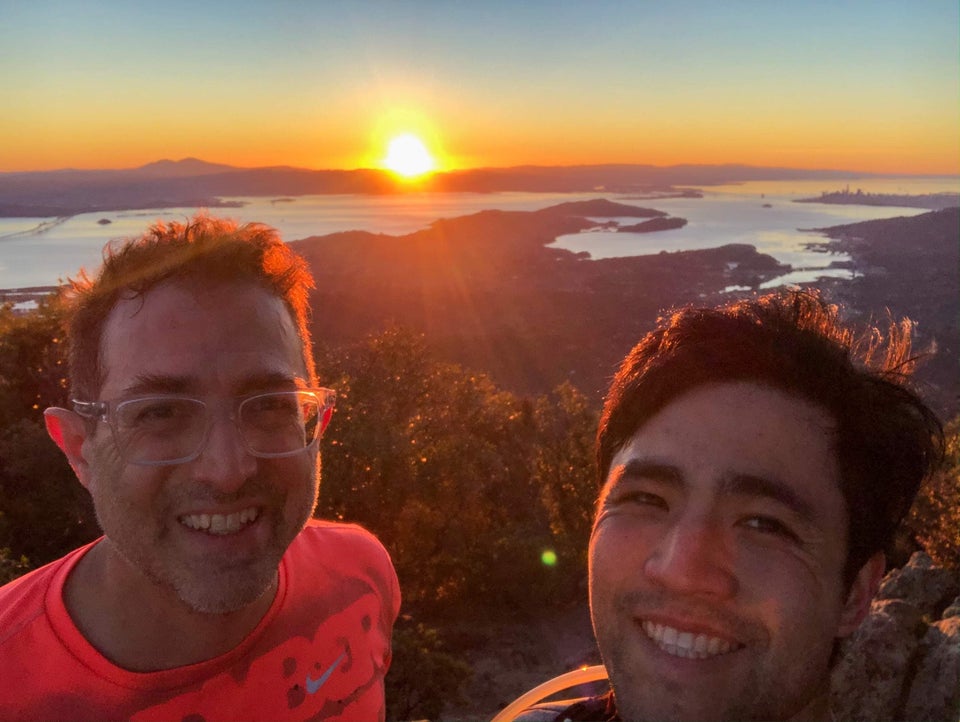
465 484
44 512
11 567
423 677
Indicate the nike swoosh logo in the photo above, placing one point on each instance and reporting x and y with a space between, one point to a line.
314 684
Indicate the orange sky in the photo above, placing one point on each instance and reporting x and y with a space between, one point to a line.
865 86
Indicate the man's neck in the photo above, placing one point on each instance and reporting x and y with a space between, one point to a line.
816 710
143 627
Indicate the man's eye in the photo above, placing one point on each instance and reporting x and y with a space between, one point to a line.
270 403
641 498
156 413
770 525
159 411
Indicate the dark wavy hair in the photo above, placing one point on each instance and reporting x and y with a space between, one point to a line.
887 439
201 252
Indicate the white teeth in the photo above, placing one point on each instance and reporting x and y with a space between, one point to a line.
220 524
685 644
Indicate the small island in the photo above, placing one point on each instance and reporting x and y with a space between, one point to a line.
603 208
654 225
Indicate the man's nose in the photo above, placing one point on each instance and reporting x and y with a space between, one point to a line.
224 460
693 557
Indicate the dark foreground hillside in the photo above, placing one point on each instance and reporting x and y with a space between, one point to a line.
490 293
910 266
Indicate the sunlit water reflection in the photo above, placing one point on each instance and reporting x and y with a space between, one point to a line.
39 251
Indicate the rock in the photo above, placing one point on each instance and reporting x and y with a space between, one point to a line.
936 686
869 678
928 587
953 610
903 663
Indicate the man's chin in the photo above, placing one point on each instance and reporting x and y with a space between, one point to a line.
217 597
661 687
668 709
673 702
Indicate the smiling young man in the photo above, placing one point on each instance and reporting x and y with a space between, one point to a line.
195 425
752 473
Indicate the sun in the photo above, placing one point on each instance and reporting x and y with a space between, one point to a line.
408 156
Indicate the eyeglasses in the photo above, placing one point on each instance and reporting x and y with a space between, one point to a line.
172 429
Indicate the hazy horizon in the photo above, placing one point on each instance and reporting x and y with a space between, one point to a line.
835 173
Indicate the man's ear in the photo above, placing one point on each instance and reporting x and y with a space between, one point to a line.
69 431
861 593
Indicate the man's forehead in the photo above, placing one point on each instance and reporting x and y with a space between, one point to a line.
177 294
737 430
228 331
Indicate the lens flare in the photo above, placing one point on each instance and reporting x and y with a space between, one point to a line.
548 558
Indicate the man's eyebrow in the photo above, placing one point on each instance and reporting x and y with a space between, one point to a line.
737 484
144 384
270 381
159 384
650 469
751 485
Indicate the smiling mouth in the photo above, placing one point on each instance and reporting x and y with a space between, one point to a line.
221 524
687 644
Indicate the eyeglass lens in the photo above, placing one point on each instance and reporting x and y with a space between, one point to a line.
159 429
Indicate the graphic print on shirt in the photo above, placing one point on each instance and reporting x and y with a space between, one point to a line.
313 686
344 664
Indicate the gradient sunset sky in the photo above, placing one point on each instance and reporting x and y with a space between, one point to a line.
869 86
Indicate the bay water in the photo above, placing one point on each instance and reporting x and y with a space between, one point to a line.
45 251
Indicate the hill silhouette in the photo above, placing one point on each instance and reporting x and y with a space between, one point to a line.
193 182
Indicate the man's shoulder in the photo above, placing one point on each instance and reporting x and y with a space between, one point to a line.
339 533
584 709
329 553
24 599
545 711
21 600
336 543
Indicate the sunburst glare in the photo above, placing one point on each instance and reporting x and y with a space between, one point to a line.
408 156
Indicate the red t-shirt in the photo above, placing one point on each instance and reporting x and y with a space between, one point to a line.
320 652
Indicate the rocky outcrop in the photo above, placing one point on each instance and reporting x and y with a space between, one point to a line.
903 663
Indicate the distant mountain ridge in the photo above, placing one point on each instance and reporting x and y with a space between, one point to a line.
193 182
183 167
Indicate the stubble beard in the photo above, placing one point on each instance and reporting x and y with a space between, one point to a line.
223 586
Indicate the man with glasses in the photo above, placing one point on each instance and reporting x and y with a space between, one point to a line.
195 425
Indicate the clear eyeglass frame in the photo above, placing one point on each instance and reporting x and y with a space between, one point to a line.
113 413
